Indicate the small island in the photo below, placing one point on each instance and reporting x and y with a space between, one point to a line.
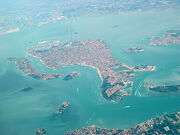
169 38
63 108
71 76
41 131
135 49
168 124
26 89
164 88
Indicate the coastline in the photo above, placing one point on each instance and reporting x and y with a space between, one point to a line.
94 68
98 71
9 31
40 61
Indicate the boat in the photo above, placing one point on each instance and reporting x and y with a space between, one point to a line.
77 90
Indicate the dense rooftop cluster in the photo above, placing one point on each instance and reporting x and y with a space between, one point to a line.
168 124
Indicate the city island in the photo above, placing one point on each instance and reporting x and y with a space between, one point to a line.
168 124
95 54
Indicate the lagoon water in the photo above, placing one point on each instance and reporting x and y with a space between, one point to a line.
23 112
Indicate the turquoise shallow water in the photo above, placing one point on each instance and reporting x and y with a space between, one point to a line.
23 112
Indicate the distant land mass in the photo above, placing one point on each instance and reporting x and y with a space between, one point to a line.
95 54
168 124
